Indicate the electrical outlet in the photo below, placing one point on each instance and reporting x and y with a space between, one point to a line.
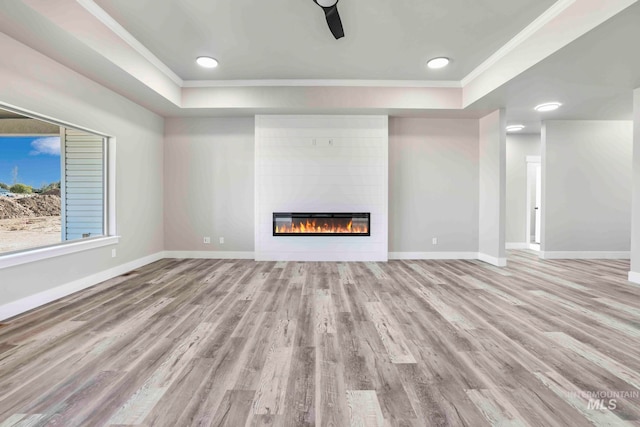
434 241
113 253
222 240
207 240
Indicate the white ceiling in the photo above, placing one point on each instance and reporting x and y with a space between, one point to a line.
593 77
289 39
281 58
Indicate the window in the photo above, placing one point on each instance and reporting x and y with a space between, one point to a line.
53 185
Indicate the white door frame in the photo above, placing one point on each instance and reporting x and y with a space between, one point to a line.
532 161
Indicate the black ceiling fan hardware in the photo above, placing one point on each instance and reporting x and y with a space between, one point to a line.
333 19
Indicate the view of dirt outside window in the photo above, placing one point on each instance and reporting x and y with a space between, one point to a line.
29 221
29 192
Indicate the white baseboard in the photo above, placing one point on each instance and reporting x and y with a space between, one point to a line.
517 245
209 254
585 254
433 255
322 256
498 262
33 301
634 277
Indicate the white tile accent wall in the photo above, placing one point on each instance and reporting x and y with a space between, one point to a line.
321 164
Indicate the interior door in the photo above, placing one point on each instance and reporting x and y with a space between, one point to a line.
538 202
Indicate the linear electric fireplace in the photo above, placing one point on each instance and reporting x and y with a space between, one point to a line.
321 224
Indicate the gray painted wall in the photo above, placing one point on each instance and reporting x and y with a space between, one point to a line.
586 174
518 148
48 88
492 184
433 185
209 184
635 236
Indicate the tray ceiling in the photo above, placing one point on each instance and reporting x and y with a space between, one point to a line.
286 39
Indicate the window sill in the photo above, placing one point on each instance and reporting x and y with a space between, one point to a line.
37 254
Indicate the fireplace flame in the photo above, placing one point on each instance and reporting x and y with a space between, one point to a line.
313 226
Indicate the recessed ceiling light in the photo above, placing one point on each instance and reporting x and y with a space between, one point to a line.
207 62
515 128
436 63
549 106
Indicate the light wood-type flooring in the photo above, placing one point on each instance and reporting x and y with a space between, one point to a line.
403 343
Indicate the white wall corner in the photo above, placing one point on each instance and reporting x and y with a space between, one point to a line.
498 262
33 301
634 276
492 184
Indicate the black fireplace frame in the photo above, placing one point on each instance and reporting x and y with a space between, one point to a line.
320 215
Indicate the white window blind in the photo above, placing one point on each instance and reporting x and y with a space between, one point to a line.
83 198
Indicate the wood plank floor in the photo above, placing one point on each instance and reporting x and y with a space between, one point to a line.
404 343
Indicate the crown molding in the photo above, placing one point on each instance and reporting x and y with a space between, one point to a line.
102 16
511 45
518 39
324 83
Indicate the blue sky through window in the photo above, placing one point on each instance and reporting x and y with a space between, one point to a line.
37 160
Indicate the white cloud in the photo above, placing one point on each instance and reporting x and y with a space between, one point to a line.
49 145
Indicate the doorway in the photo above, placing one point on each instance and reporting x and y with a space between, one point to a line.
534 202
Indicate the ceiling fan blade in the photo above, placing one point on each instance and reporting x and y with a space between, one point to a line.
334 21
